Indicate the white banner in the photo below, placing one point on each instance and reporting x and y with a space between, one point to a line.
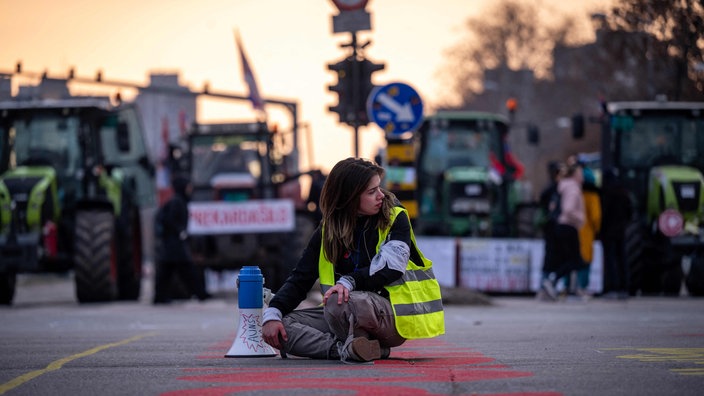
275 215
513 265
441 250
497 265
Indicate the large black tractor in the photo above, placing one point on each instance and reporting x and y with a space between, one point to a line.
74 175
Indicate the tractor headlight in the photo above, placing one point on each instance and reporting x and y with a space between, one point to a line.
687 191
473 190
468 206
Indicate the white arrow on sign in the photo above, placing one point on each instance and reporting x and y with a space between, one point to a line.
404 113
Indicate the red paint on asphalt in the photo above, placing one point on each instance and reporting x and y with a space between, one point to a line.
410 371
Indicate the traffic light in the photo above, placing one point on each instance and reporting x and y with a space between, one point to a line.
354 84
533 134
511 106
365 86
343 88
577 126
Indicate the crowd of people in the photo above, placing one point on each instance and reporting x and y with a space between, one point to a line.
577 210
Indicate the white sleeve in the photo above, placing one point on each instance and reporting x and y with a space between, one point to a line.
394 254
271 313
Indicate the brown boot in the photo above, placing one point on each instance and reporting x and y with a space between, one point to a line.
360 349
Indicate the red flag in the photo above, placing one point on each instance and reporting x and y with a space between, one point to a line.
254 97
165 138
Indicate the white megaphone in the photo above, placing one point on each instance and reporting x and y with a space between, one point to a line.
250 297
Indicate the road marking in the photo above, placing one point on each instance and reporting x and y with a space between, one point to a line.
409 371
693 356
57 364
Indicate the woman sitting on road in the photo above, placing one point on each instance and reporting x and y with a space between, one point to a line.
366 258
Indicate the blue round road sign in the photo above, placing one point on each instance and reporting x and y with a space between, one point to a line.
395 107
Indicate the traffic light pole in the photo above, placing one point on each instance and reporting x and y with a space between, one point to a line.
353 86
355 94
360 83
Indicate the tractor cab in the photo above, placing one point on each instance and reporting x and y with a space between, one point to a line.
657 149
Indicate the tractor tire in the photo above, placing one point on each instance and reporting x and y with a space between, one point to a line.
653 271
635 259
662 272
695 277
8 281
95 257
671 278
129 264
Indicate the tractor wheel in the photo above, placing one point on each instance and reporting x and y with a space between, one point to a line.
8 280
671 279
662 272
95 259
695 277
653 271
129 265
635 260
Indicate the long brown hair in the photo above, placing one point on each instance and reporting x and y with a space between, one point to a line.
339 203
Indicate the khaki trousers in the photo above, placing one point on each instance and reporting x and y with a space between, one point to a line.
315 332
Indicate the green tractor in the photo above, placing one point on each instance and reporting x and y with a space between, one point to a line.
74 175
657 149
246 205
458 179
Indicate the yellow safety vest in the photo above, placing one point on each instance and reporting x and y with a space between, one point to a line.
415 297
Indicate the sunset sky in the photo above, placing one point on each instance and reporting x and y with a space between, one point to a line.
289 43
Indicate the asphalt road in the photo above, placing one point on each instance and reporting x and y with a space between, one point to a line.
50 345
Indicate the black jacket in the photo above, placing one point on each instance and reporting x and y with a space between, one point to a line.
356 264
173 244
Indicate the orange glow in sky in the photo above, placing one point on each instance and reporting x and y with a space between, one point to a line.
289 43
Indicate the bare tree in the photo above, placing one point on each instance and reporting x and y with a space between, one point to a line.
510 36
677 29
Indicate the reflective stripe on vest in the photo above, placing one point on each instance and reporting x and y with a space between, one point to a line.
415 297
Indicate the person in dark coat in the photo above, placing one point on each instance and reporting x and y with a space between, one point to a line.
549 221
617 213
173 255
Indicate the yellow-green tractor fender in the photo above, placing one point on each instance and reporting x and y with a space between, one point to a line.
40 192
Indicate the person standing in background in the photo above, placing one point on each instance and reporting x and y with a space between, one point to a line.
570 220
550 210
590 229
617 214
173 253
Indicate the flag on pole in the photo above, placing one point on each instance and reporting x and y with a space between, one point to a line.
254 96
